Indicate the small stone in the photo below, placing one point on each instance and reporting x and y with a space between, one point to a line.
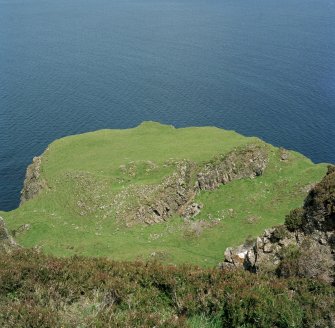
259 243
251 257
227 255
284 155
323 241
267 248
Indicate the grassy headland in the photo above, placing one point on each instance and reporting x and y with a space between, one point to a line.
91 178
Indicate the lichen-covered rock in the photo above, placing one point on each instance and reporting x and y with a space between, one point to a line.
304 247
33 183
7 243
234 257
174 192
190 210
247 162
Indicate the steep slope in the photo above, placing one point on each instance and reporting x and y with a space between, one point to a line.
45 291
178 195
304 246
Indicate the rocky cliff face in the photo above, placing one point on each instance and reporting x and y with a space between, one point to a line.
33 183
7 243
304 246
173 193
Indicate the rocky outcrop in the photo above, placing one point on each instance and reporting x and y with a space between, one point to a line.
177 192
33 183
304 246
247 162
284 154
190 210
7 243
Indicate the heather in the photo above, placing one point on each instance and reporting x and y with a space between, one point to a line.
37 290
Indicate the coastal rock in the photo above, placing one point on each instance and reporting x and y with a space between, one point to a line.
284 154
33 183
304 246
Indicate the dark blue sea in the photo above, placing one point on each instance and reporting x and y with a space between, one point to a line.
264 68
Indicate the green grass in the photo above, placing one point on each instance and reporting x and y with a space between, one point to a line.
87 170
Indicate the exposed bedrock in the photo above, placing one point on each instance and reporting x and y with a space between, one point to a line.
33 183
174 192
247 162
177 192
304 246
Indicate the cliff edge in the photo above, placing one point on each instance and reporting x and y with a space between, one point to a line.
304 246
179 195
33 183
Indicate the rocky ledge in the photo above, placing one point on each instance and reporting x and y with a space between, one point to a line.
304 246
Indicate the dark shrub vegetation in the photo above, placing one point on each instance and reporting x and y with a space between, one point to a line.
42 291
294 219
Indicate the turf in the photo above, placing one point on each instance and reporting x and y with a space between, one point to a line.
86 173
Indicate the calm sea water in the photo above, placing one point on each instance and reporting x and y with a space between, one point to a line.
261 67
